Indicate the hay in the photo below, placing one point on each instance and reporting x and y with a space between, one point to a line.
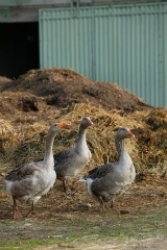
6 129
157 119
31 132
148 149
63 87
41 97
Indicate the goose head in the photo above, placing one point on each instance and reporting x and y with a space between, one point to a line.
57 127
86 122
124 132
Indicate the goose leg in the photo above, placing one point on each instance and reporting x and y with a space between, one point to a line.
114 207
97 198
16 213
31 211
65 185
101 205
112 204
72 190
67 189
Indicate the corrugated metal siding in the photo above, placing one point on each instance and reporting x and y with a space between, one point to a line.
66 39
122 43
125 1
130 48
165 60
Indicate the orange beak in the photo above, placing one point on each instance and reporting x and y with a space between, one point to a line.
130 134
64 125
90 121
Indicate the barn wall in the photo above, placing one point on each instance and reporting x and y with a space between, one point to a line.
126 44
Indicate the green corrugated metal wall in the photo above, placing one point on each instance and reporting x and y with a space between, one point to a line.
66 40
126 44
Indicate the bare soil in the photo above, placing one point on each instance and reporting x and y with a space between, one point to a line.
59 217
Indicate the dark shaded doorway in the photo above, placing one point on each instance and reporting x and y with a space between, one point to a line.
19 48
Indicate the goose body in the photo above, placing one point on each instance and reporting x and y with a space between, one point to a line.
32 180
69 162
112 179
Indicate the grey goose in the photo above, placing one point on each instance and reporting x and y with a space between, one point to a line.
112 179
71 161
32 180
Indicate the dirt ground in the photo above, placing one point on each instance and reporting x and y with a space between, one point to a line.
57 216
29 104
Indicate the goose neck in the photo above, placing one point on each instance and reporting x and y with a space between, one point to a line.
120 147
123 155
81 140
48 158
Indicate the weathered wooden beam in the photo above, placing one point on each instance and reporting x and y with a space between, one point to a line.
27 10
14 15
38 2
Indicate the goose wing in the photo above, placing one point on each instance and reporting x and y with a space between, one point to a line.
64 155
22 172
101 171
